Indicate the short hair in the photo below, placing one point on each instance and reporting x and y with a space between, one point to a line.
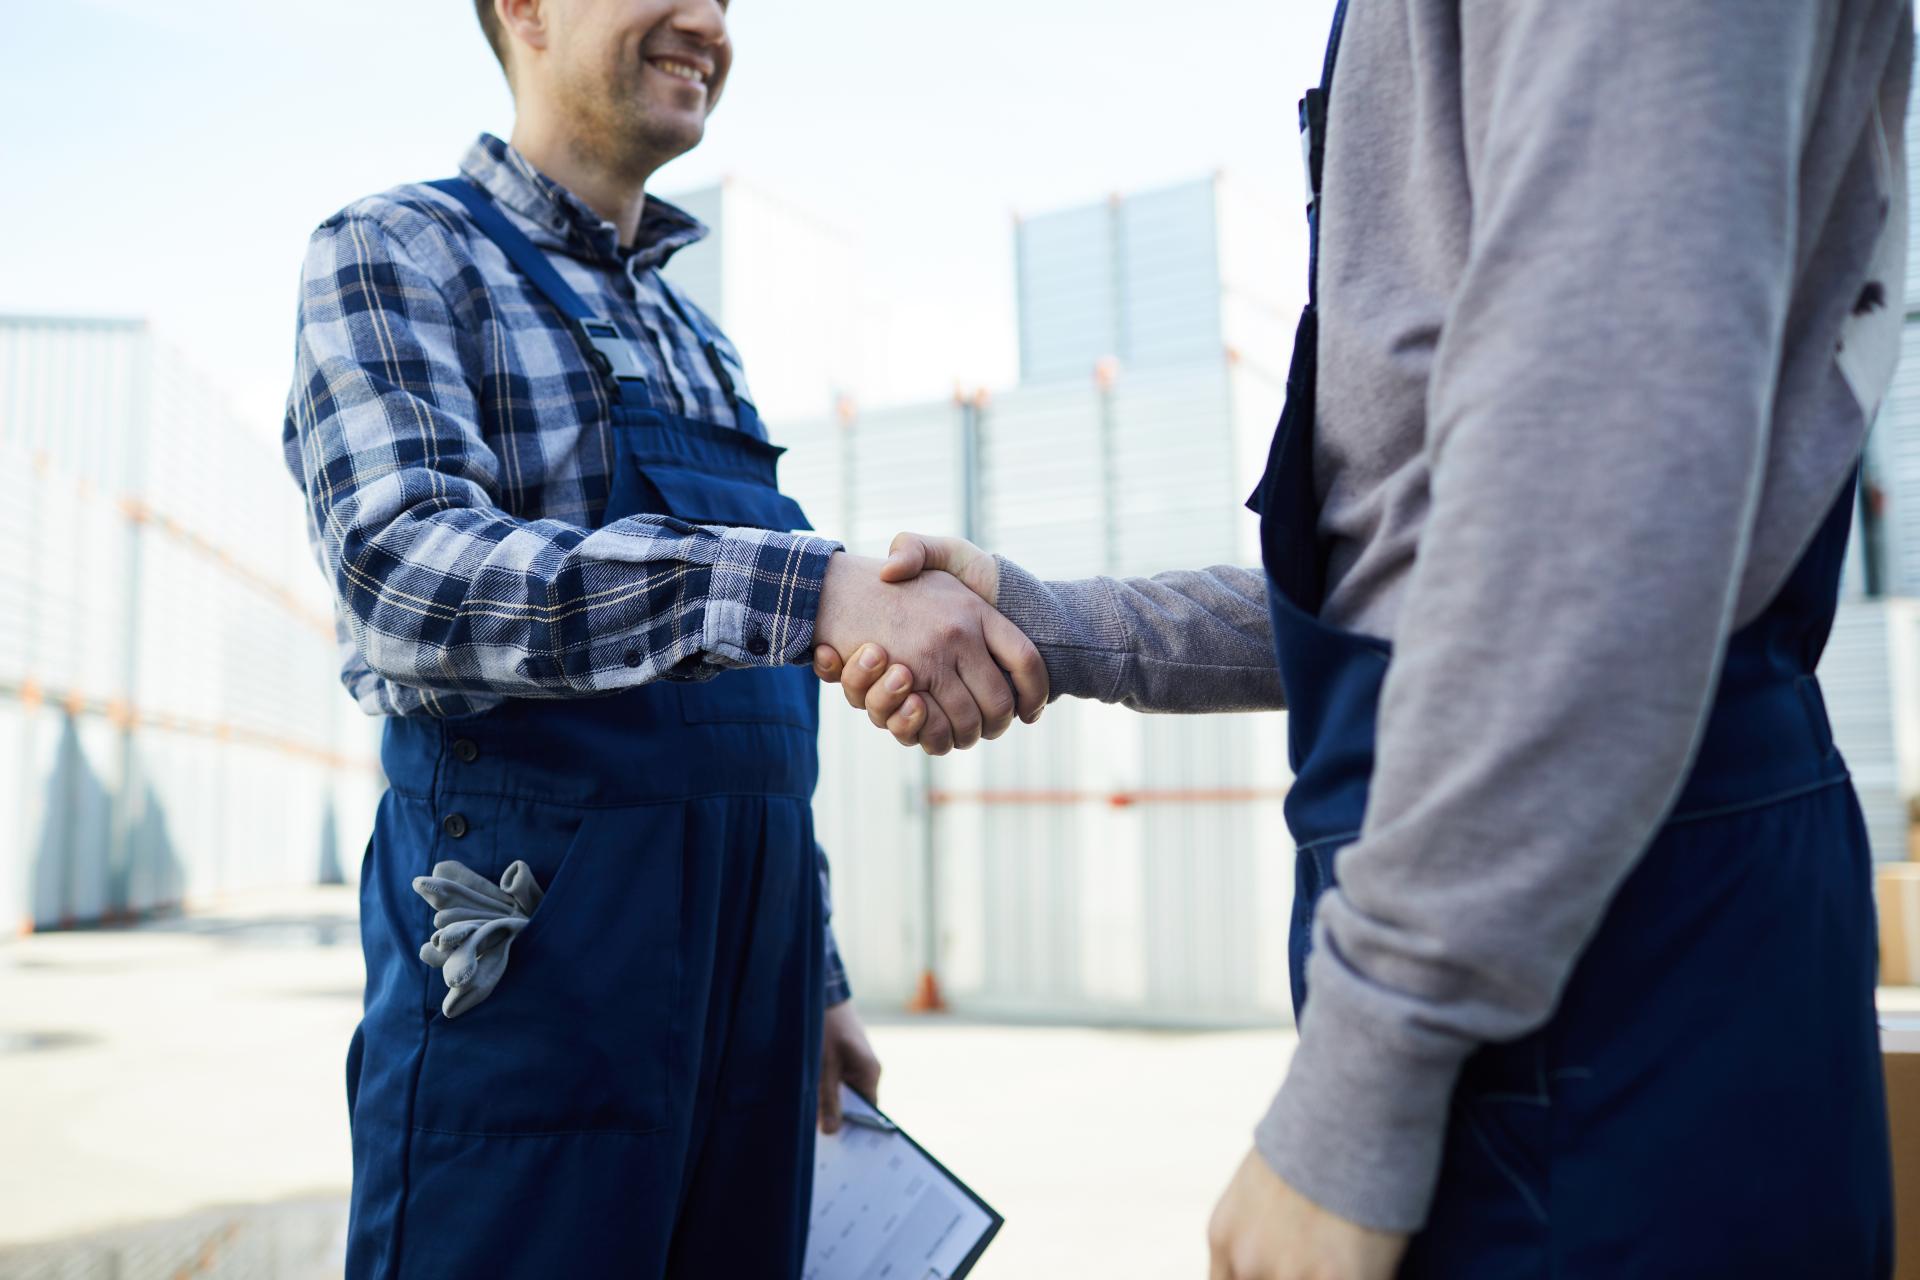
490 24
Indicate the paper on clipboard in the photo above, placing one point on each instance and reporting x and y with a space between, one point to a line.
883 1209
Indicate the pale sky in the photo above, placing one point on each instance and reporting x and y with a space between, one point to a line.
168 159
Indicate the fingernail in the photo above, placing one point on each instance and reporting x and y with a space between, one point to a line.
869 657
897 681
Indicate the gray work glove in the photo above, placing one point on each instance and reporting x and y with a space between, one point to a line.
474 922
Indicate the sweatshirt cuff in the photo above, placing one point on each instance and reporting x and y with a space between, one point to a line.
1360 1122
1076 626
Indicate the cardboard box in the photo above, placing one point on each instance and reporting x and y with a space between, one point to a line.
1900 1047
1896 891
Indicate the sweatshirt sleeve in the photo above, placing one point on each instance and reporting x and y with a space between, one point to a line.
1187 641
1597 421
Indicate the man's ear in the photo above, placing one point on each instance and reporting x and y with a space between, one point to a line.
524 22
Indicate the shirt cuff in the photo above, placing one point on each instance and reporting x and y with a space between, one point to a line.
1076 626
763 598
1360 1122
838 989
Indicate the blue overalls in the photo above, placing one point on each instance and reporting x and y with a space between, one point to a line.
1706 1099
637 1098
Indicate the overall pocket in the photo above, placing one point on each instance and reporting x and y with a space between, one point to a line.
579 1035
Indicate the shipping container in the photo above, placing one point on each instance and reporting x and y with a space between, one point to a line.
170 724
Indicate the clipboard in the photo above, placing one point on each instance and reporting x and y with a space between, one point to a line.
885 1209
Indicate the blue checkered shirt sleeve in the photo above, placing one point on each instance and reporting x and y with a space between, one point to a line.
438 587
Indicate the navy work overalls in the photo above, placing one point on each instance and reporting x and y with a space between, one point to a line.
637 1098
1707 1099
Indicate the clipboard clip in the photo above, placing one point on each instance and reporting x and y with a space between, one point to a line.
869 1120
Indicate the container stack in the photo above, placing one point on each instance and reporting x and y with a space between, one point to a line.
1102 864
168 726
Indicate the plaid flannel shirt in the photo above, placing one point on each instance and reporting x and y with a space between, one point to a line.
455 449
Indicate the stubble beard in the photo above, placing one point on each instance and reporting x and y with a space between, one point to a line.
615 133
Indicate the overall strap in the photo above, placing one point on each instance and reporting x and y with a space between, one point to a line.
707 337
600 339
1313 145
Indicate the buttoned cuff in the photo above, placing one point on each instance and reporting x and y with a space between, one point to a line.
763 597
1359 1125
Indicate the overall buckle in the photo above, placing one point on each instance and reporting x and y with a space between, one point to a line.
612 352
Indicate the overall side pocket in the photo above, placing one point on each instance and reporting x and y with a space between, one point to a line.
578 1036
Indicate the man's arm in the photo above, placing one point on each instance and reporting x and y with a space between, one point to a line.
1598 421
1189 641
442 588
1185 641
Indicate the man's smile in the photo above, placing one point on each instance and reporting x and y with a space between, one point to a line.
679 69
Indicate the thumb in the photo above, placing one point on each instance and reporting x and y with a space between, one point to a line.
913 554
830 1095
907 558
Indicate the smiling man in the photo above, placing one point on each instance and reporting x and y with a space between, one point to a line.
564 573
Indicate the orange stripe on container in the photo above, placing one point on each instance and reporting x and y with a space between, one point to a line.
1113 799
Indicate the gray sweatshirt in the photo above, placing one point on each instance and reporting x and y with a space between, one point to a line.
1600 340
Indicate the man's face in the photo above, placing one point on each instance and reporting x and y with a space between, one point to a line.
637 77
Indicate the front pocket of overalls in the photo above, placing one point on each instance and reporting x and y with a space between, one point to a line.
702 497
579 1035
750 695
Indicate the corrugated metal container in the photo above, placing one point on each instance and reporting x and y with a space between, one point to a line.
171 723
1068 293
1138 278
1871 678
1099 865
1893 463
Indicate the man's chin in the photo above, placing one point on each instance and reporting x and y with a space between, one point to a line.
666 139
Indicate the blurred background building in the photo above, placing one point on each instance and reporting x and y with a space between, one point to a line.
169 722
1102 865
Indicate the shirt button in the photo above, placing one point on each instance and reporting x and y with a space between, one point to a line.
633 657
466 750
757 646
454 825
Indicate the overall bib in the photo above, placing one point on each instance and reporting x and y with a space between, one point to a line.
637 1098
1707 1098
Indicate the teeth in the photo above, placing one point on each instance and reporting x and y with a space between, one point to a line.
682 71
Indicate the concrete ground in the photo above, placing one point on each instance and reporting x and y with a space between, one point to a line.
166 1075
171 1103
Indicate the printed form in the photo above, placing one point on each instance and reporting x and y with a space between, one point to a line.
883 1209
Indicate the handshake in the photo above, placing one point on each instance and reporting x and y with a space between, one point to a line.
915 641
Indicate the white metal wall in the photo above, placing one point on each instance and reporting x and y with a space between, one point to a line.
168 727
785 289
1137 278
1871 678
1101 864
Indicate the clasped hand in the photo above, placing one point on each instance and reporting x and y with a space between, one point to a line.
959 670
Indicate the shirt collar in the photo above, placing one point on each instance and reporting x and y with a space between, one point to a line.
561 220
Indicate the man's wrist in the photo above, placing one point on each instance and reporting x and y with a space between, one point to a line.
1359 1124
842 578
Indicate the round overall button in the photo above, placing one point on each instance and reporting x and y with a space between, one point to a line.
758 646
454 825
465 750
633 658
